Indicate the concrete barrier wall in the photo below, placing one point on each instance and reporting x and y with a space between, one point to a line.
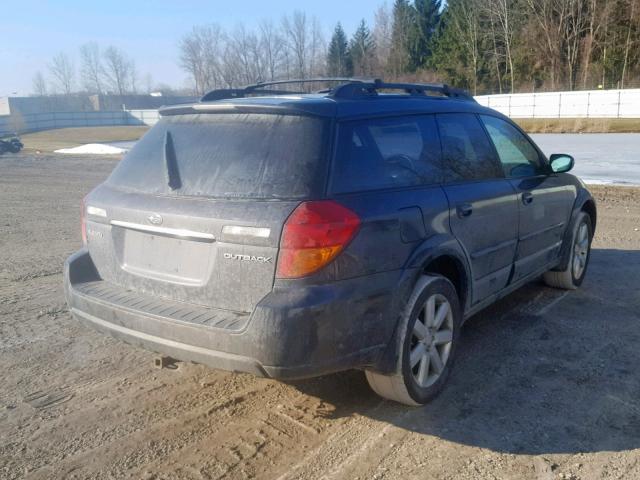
587 104
46 121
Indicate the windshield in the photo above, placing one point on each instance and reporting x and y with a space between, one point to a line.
224 155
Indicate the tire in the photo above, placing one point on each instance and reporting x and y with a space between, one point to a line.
434 298
580 251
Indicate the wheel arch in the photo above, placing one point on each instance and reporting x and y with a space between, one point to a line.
583 203
439 255
451 268
589 207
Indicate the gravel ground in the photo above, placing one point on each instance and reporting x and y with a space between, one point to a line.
546 386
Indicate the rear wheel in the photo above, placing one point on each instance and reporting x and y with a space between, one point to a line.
429 330
573 275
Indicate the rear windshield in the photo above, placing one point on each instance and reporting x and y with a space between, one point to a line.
228 155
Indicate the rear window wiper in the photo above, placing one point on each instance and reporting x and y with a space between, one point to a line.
171 163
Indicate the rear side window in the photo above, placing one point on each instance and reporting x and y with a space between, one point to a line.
227 155
386 153
518 157
466 150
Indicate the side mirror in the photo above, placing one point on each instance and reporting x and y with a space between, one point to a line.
561 162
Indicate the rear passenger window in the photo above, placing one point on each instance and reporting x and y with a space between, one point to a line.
467 153
385 153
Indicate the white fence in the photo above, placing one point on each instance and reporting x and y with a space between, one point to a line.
587 104
33 122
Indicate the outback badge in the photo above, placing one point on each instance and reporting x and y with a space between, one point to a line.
247 258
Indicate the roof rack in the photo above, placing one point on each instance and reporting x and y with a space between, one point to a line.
348 88
365 89
258 88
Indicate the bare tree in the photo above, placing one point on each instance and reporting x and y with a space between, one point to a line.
39 84
201 52
496 54
633 7
192 59
119 70
573 32
91 70
296 34
382 36
243 57
317 49
62 70
598 14
272 46
550 15
503 12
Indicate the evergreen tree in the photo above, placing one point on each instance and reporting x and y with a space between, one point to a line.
455 53
362 50
403 18
338 57
425 25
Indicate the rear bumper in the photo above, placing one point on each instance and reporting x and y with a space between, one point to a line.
292 333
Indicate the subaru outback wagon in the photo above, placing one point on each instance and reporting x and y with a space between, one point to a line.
292 235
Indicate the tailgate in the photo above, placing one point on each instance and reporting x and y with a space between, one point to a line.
214 253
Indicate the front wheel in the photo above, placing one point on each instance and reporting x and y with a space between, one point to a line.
573 275
429 332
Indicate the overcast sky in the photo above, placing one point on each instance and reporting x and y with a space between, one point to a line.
31 31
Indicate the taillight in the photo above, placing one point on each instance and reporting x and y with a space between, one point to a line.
83 222
313 235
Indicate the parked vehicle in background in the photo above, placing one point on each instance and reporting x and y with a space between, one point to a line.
10 144
291 235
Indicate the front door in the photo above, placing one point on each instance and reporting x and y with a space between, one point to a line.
544 199
483 207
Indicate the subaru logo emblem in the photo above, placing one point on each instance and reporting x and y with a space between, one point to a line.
155 219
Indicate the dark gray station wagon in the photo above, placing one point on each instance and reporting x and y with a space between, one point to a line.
291 235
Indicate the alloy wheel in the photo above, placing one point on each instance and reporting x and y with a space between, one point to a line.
580 251
431 340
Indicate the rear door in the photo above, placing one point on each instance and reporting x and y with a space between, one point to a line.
483 204
545 200
388 170
195 211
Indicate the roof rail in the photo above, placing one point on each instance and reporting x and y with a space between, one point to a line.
258 88
365 89
348 88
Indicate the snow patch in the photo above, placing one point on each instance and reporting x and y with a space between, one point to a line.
595 181
94 149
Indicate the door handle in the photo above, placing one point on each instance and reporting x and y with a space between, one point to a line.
527 198
464 210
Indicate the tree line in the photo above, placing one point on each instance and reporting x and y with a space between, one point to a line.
486 46
100 71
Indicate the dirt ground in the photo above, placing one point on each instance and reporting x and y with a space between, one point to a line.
579 125
49 140
546 386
